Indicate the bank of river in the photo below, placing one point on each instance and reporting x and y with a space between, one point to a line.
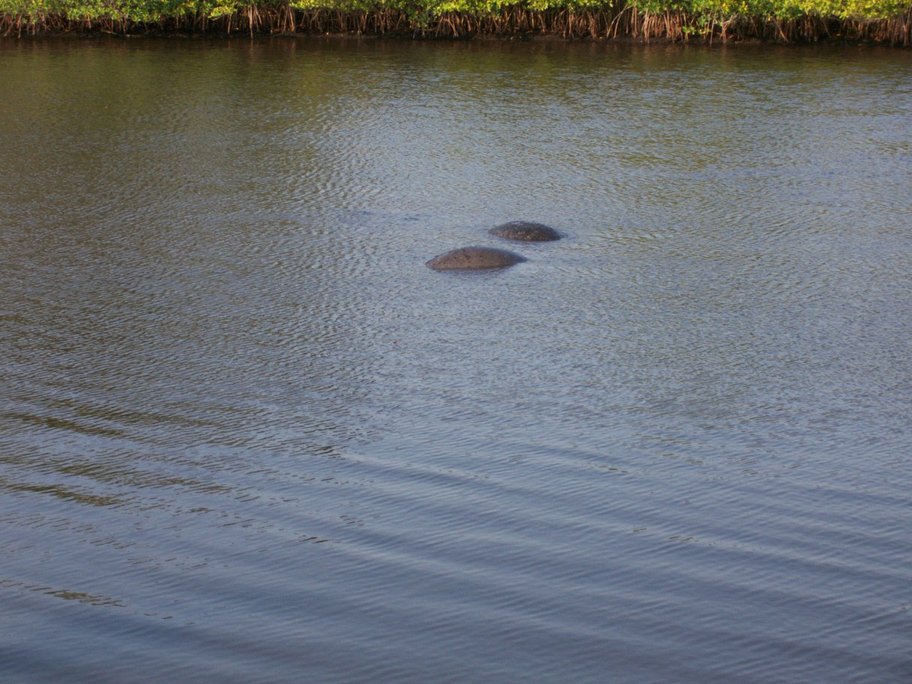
246 435
690 21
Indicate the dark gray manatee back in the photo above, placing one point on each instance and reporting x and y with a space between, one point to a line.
525 231
474 259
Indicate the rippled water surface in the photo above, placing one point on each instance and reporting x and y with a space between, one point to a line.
247 436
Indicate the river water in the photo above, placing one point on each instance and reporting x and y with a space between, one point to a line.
247 436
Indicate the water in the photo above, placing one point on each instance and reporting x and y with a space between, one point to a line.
247 436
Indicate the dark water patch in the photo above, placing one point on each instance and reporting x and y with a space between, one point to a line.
63 424
65 594
60 492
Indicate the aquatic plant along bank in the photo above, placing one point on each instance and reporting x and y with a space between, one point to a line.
704 21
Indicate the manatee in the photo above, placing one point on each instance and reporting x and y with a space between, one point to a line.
474 259
525 231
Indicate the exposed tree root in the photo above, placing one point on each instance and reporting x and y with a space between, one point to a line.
625 22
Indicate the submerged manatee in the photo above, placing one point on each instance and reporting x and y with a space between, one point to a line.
525 231
474 259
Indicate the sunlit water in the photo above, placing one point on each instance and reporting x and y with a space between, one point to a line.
248 436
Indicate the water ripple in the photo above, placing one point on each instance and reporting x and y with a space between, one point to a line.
246 435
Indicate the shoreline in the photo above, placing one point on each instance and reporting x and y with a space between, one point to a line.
602 24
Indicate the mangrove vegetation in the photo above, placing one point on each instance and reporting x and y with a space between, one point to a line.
881 21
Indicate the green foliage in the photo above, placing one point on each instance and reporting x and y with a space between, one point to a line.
783 9
696 17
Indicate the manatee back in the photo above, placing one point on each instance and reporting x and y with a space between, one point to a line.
474 259
525 231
